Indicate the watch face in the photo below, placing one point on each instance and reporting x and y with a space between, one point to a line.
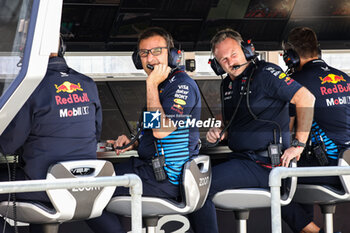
296 143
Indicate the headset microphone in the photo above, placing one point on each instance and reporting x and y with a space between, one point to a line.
150 67
236 67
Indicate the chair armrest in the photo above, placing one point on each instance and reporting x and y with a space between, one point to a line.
344 161
292 186
196 181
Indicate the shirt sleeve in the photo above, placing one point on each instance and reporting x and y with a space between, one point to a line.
17 131
179 100
292 110
278 84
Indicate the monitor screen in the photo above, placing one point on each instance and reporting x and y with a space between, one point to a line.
113 124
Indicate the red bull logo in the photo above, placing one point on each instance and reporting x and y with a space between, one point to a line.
178 106
332 78
68 87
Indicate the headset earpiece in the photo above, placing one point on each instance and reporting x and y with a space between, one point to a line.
249 53
136 59
62 48
174 57
216 66
248 50
291 58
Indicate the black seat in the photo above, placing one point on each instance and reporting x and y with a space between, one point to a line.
196 181
67 204
326 196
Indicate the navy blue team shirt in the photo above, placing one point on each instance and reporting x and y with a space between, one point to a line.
60 121
180 98
331 87
270 93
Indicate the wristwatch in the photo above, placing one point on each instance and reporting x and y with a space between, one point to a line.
296 143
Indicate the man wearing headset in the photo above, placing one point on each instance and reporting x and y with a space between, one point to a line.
60 121
330 129
261 121
172 96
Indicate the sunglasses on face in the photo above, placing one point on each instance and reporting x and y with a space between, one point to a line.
154 51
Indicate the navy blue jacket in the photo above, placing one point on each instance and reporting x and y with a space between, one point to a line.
60 121
270 93
331 87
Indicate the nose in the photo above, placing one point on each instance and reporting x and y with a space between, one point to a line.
150 57
230 61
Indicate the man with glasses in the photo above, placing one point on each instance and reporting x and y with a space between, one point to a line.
154 51
172 97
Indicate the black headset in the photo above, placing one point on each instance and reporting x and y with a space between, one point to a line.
62 48
290 56
249 53
174 58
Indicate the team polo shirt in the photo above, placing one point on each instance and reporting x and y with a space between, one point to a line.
270 93
60 121
180 98
331 87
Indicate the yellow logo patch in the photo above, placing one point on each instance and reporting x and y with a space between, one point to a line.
282 75
180 101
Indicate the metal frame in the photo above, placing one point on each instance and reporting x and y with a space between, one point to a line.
42 39
127 180
282 172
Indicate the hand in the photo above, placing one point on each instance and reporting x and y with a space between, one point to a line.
291 153
159 74
121 141
214 134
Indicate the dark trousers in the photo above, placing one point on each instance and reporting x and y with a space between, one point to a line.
151 187
295 211
8 227
109 222
28 196
325 180
242 171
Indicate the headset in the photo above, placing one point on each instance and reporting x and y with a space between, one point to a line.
62 47
249 53
174 58
290 56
